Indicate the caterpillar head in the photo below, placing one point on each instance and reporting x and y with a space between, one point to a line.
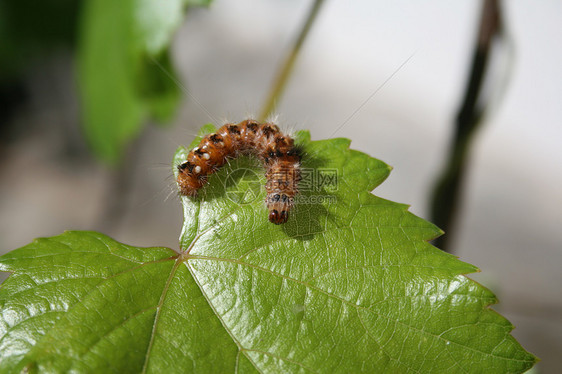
278 216
279 205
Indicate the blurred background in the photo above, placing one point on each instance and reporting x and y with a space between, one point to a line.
411 58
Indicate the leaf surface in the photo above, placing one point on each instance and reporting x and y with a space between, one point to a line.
348 284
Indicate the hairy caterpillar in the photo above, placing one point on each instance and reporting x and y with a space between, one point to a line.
280 157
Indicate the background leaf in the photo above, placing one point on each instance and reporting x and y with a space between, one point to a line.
28 29
124 68
349 284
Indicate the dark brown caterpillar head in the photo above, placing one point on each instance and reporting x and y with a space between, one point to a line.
278 216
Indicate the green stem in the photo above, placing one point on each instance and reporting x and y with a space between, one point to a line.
283 75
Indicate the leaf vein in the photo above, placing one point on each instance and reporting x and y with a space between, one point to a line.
157 315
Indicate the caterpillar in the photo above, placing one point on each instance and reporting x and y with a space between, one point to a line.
277 151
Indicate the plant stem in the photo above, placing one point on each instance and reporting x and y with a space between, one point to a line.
283 74
448 190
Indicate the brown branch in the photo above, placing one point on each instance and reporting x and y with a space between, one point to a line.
448 190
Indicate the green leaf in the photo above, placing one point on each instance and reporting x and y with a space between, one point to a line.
124 69
348 285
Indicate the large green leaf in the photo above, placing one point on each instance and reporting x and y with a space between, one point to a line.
124 68
348 285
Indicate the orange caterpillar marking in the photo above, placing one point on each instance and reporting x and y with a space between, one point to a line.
276 150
